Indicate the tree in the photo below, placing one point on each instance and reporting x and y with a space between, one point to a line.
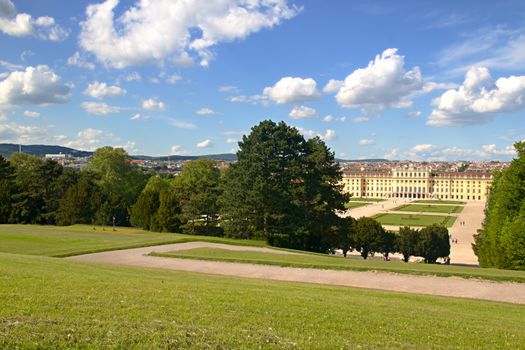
6 189
433 243
369 234
406 242
387 243
344 235
499 241
198 190
282 188
168 216
144 209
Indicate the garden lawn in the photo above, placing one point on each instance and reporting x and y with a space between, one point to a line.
79 239
353 205
54 303
430 208
329 262
414 220
437 201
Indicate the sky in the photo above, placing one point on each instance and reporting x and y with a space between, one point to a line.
419 80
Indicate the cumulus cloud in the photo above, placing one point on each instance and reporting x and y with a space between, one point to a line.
359 119
160 30
384 83
292 90
479 99
333 86
330 118
205 144
253 99
429 152
31 114
181 124
205 111
90 139
328 135
231 140
302 112
133 76
79 60
15 133
23 24
414 114
153 103
178 150
99 108
173 79
366 142
35 85
101 90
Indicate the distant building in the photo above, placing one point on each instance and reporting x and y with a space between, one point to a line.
423 183
59 156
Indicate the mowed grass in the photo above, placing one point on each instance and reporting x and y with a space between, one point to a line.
414 220
430 208
437 201
353 205
59 241
353 263
55 303
365 199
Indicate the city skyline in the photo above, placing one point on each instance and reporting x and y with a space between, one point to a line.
410 81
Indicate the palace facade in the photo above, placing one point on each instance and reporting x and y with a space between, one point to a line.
418 183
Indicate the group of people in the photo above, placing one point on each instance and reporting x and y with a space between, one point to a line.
462 223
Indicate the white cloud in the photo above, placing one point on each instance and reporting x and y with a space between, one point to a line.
99 108
329 134
366 142
229 89
292 90
178 150
139 116
234 132
254 99
23 24
35 85
153 103
384 83
359 119
159 30
328 118
14 133
3 117
333 86
231 140
205 144
101 90
26 54
414 114
31 114
79 61
429 152
479 100
133 76
173 79
205 111
302 112
181 124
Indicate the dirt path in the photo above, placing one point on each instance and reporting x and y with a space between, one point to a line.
431 285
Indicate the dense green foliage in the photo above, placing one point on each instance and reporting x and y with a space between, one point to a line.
284 189
501 241
54 303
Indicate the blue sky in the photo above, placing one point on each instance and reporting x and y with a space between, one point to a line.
419 80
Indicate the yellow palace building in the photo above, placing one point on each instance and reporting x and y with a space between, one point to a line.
421 183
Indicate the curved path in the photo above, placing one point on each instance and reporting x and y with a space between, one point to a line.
431 285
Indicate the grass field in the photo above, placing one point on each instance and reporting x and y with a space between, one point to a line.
339 263
414 220
437 201
79 239
55 303
353 205
362 199
430 208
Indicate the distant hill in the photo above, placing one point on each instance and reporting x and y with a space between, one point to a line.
6 149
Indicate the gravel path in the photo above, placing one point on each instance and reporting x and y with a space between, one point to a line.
431 285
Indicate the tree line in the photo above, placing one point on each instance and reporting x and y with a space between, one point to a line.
501 241
284 189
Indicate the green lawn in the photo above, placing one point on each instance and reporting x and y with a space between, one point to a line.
353 205
339 263
55 303
363 199
430 208
74 240
437 201
414 220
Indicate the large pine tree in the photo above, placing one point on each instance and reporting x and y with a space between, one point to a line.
283 188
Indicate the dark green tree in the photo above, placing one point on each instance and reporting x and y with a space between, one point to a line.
368 236
433 243
387 243
344 235
406 242
7 189
145 209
